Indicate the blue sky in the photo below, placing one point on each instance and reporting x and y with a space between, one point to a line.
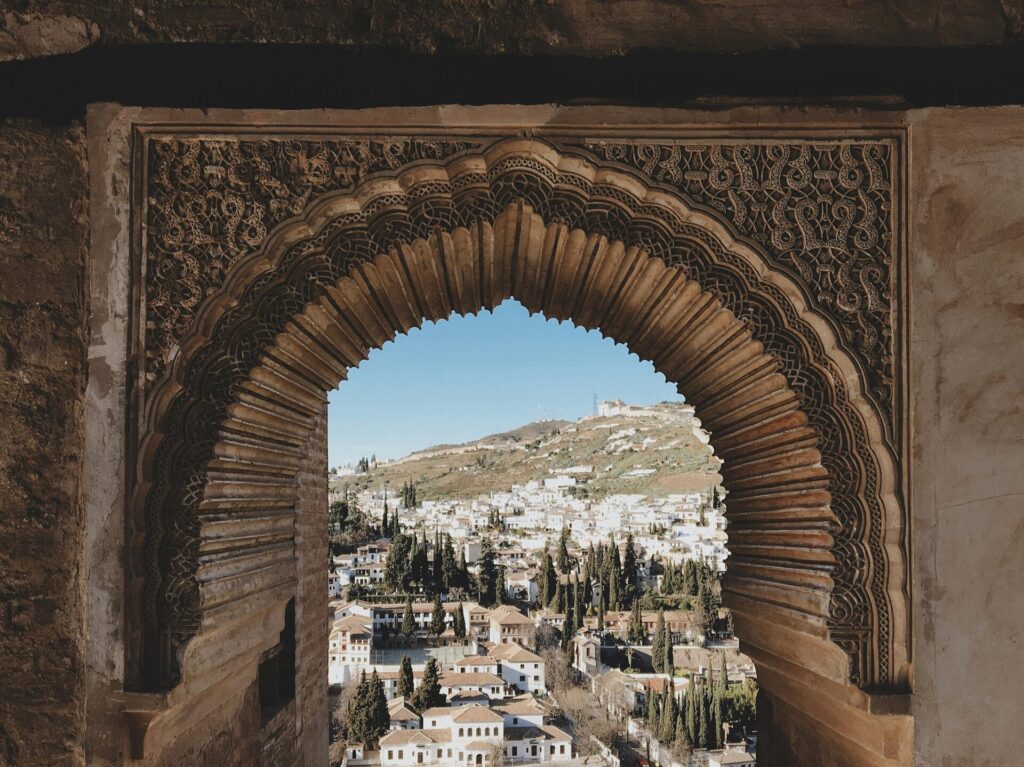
466 377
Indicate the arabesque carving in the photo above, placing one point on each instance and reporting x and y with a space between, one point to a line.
247 328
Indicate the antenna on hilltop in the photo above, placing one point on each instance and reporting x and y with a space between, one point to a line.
595 404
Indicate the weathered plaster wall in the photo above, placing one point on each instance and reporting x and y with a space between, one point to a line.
967 217
579 27
43 242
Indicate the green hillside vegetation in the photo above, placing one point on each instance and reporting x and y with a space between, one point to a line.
665 446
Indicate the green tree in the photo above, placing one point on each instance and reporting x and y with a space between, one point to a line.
667 723
437 571
377 717
636 634
564 563
630 572
658 646
691 715
716 715
408 620
449 565
420 563
653 712
568 627
578 609
709 722
428 694
681 743
463 569
500 592
398 568
690 577
358 707
548 579
406 685
488 575
459 622
385 528
559 597
437 617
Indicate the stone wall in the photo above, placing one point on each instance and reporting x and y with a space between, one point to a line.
43 244
967 303
577 27
967 278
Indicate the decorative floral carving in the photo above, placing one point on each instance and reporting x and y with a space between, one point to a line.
210 202
822 211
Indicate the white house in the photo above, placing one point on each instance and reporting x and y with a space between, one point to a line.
520 668
541 743
492 685
507 624
349 647
403 716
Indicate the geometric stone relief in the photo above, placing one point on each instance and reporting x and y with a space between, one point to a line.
824 213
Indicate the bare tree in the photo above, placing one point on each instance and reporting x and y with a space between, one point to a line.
558 673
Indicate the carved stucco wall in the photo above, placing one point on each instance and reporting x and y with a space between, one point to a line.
826 212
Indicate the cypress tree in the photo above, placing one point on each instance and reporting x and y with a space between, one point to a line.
358 707
437 574
459 623
559 597
428 695
406 685
603 589
701 727
577 604
437 617
500 594
616 575
463 569
667 724
668 665
600 621
630 572
449 567
613 588
658 646
563 552
488 574
652 717
709 724
547 580
568 627
690 578
408 621
384 529
682 744
691 715
716 715
637 633
378 719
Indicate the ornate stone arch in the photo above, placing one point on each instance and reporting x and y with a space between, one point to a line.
254 311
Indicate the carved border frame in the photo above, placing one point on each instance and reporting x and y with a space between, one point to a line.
572 138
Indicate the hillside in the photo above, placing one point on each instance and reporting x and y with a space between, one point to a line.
656 454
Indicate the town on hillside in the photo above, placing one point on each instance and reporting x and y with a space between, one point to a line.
572 617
